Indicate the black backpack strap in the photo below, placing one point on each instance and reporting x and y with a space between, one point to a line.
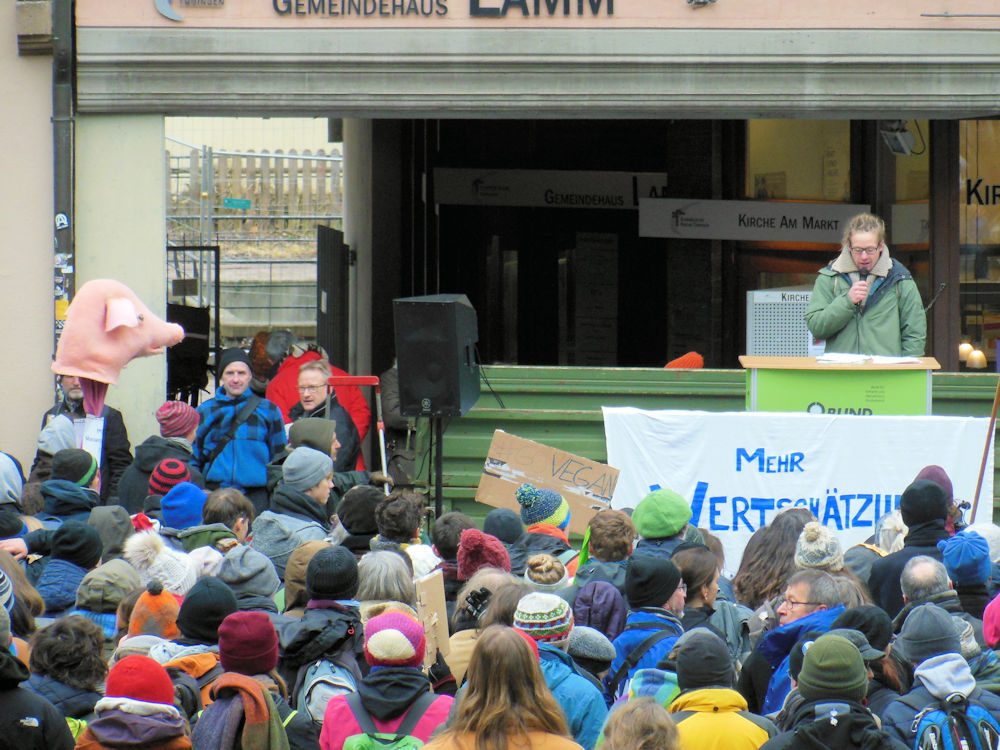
241 416
413 714
364 718
636 654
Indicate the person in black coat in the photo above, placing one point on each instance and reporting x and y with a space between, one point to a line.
924 507
116 451
178 429
27 721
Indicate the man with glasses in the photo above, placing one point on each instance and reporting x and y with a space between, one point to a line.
313 390
865 302
811 603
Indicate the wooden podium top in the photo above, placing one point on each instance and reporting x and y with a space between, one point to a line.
810 363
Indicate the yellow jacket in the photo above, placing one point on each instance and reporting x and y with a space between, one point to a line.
717 719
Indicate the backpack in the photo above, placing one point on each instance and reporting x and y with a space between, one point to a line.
372 739
188 690
319 681
955 723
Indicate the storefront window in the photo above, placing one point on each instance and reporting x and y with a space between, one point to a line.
979 235
799 160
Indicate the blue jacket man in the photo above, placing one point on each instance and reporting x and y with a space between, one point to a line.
812 603
242 462
656 596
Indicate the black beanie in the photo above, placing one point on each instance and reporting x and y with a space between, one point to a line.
11 525
356 510
234 354
206 605
703 660
504 524
923 501
74 465
332 574
872 621
78 543
650 580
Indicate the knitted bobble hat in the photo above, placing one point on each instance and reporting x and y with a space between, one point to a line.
545 617
140 678
155 613
478 550
542 506
817 547
176 419
394 639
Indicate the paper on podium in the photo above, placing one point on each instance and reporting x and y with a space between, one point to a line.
878 359
842 358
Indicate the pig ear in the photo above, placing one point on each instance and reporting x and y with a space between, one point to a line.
119 311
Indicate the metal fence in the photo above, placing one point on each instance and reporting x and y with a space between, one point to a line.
262 210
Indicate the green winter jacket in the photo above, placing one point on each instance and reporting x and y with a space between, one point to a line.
892 322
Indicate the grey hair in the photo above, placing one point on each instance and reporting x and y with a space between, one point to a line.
823 587
384 575
922 578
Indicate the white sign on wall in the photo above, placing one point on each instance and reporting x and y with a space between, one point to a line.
745 220
546 188
738 469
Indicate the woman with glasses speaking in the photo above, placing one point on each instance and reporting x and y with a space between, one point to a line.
865 302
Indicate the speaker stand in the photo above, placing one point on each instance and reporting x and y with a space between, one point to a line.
438 425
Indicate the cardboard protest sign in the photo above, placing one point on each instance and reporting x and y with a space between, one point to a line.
586 485
433 614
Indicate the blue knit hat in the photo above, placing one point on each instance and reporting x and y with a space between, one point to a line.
182 506
966 556
542 506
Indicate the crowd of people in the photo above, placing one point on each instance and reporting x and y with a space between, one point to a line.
235 585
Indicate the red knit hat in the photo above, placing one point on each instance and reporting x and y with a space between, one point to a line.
168 474
176 419
140 678
478 550
394 639
248 643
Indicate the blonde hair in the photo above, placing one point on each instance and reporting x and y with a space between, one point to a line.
544 569
506 694
864 223
640 724
319 365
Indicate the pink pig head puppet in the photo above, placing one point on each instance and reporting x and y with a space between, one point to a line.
107 326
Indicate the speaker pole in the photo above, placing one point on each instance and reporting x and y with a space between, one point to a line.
438 463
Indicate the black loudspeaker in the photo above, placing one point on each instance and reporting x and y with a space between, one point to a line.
436 340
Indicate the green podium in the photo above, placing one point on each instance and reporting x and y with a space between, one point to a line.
801 384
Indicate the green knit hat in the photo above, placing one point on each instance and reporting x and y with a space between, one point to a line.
314 433
833 668
660 514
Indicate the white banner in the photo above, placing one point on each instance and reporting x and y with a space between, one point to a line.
738 469
546 188
746 220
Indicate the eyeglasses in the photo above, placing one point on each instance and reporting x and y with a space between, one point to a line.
793 603
866 250
311 388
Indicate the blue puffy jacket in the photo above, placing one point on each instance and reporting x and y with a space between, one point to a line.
639 626
582 703
778 644
58 585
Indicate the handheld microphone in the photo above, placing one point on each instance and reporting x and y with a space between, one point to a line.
863 276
